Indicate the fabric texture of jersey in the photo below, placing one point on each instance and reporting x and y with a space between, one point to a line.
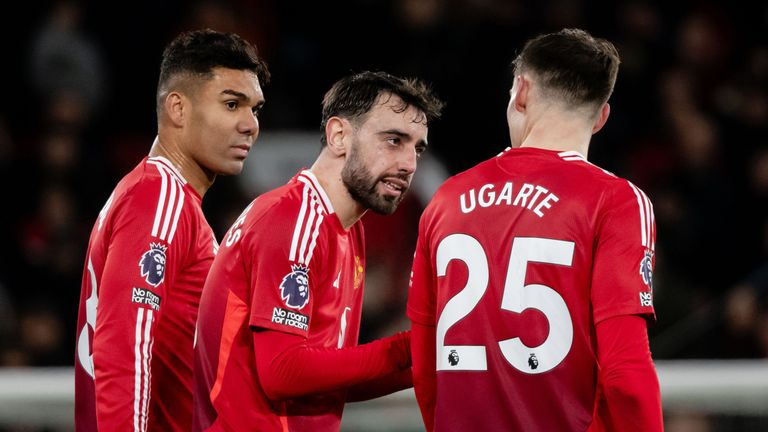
288 265
148 255
517 260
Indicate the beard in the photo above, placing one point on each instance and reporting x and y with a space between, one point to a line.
362 185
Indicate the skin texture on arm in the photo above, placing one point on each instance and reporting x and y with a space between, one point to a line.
630 397
288 368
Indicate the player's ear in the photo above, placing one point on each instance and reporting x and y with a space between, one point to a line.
519 93
602 117
337 131
174 106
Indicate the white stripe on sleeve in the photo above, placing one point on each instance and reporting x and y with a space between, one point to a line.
160 202
641 206
137 365
299 223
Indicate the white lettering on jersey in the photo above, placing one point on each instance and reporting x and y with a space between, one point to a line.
535 198
83 343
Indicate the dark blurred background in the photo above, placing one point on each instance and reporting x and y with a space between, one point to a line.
689 124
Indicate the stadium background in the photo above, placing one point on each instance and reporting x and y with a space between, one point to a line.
689 125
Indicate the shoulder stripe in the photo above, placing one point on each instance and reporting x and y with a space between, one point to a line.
647 222
307 226
305 238
308 178
179 206
160 201
169 205
299 223
315 233
643 235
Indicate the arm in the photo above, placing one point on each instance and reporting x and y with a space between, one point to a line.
130 304
630 387
383 386
424 371
287 368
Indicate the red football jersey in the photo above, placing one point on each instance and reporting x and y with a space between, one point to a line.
148 255
286 264
517 259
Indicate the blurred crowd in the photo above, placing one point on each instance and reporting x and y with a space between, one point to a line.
689 125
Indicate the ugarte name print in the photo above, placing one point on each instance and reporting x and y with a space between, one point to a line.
535 198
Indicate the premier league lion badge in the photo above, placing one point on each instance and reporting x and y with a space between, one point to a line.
152 264
294 289
646 268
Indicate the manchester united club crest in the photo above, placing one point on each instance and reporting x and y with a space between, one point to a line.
646 267
152 264
294 289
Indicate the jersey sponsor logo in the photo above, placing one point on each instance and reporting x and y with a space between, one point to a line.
646 299
290 318
646 267
533 361
453 358
294 289
145 297
152 264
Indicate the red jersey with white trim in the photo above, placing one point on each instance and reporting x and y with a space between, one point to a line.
148 255
286 264
517 260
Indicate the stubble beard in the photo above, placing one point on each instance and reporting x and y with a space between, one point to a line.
362 186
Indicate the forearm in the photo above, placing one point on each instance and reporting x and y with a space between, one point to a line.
288 368
627 376
424 371
379 387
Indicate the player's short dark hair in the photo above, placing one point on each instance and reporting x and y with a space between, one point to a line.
352 97
195 54
572 66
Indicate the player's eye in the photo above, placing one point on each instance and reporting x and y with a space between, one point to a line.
393 140
231 105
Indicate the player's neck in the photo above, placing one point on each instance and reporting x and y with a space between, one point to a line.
199 178
558 135
328 173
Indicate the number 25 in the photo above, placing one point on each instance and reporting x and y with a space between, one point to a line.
516 298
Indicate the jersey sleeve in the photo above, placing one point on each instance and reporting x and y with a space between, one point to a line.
422 291
147 245
622 277
283 248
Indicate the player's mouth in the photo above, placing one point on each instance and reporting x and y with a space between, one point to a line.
394 186
241 150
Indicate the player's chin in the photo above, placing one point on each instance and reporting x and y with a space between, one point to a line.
232 167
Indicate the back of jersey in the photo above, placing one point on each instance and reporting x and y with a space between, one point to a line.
518 259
